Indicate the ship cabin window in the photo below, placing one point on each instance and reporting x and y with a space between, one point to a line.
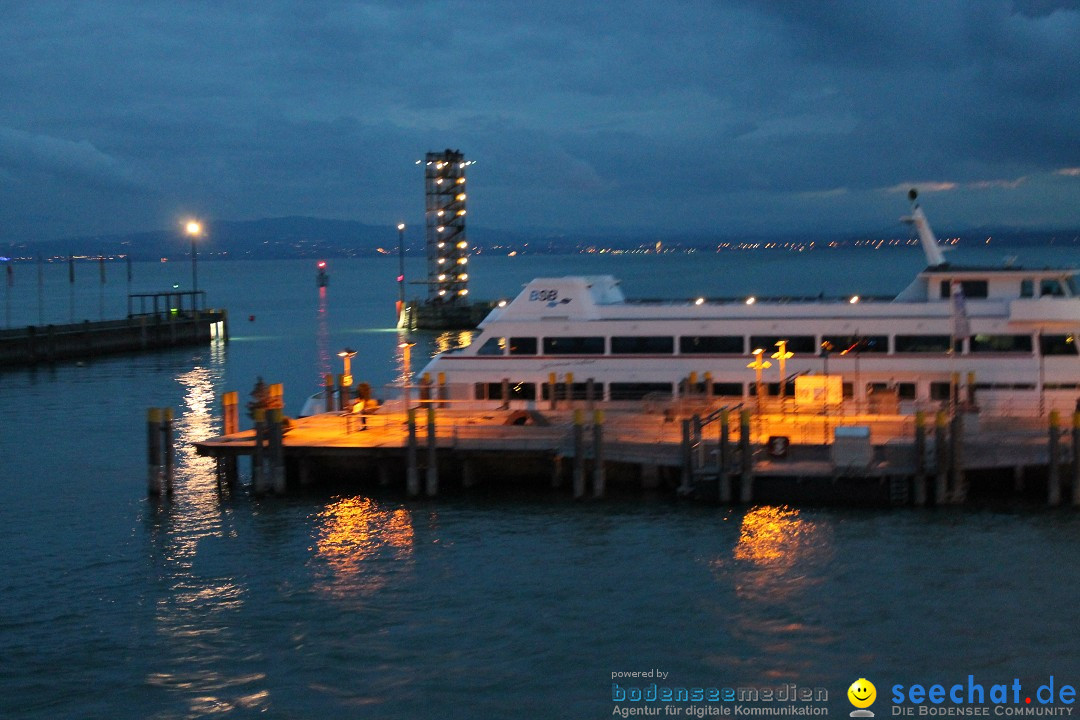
970 288
1051 287
578 391
905 391
727 389
643 345
940 391
848 390
1027 288
712 345
493 346
856 344
771 389
574 346
1057 344
795 343
637 391
494 391
1001 343
922 343
522 346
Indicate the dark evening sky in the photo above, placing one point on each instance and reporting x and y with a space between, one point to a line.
726 116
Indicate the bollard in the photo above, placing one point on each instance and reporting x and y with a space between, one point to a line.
579 454
599 477
920 458
746 489
432 473
168 456
942 458
723 460
551 391
1053 452
153 451
328 391
412 478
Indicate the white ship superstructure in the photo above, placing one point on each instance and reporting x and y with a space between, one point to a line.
1008 333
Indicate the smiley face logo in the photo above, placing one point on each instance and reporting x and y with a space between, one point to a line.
862 693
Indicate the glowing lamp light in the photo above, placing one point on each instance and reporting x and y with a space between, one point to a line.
442 277
462 245
442 292
751 300
440 228
441 213
463 292
502 303
401 278
462 261
460 212
854 299
442 244
460 180
460 196
699 301
463 276
322 264
193 228
401 226
442 260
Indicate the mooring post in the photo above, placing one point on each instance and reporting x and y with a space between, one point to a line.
920 458
231 402
598 454
579 454
697 442
412 476
568 389
444 392
154 467
590 390
723 460
556 470
467 477
167 436
746 489
691 384
686 459
941 450
551 391
276 437
505 394
1076 459
431 475
328 392
1053 470
959 477
425 388
258 469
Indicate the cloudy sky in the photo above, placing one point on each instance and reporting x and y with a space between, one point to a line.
734 116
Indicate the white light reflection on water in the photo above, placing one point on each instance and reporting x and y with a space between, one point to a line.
775 569
360 545
196 615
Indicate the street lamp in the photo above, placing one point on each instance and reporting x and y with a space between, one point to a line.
194 229
406 363
782 355
758 364
347 355
401 270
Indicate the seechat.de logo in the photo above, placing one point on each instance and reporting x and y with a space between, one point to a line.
862 694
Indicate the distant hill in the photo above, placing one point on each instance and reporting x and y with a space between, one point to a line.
307 237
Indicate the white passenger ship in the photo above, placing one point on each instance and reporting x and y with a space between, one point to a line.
1007 333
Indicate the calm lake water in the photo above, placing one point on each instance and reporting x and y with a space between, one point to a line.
334 604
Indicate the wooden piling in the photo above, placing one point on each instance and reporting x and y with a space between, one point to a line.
579 454
723 460
708 388
412 476
746 485
556 470
328 392
168 454
444 393
590 391
275 432
1076 459
425 388
697 442
568 389
941 451
920 458
258 453
686 459
431 475
599 472
505 394
1053 468
552 402
958 492
154 469
468 479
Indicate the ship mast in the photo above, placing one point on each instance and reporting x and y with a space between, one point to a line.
934 255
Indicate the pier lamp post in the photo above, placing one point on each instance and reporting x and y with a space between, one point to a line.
194 229
401 270
782 355
347 355
406 363
759 364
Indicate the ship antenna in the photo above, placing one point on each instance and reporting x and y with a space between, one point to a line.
934 256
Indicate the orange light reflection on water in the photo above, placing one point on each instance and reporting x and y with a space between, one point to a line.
361 542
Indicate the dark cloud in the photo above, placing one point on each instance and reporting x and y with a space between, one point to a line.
641 115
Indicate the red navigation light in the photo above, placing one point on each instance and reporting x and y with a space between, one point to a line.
322 264
401 278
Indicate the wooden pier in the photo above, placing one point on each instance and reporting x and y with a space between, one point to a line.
726 455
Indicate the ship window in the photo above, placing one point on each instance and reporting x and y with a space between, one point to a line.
905 391
518 391
771 389
848 390
1057 345
795 343
578 391
1027 287
1051 287
712 345
970 288
493 346
727 389
636 391
940 390
642 345
573 346
922 343
857 344
1001 343
522 346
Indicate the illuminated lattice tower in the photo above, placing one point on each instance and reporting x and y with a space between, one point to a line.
447 246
